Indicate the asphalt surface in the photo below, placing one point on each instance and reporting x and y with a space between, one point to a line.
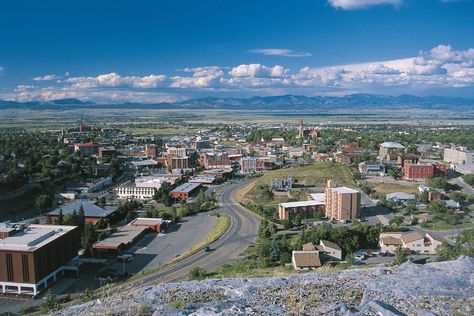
466 188
241 233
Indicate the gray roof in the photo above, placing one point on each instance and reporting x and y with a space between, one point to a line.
187 187
90 209
400 196
330 244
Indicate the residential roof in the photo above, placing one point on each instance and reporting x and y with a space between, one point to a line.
301 204
33 237
126 235
90 209
306 258
391 241
330 244
309 247
371 163
411 236
186 187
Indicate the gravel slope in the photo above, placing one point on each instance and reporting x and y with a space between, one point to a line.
443 288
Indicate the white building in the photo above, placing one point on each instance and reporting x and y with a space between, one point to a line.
459 156
144 188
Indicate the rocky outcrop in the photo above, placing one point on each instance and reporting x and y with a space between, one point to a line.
442 288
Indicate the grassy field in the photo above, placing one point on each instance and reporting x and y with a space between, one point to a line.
438 226
394 187
311 175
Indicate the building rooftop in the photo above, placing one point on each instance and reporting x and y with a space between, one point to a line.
392 145
187 187
33 237
146 221
124 236
306 258
345 190
90 209
319 197
330 244
301 203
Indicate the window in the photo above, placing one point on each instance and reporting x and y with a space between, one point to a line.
26 268
9 267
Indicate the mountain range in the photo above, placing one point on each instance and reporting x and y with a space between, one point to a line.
270 103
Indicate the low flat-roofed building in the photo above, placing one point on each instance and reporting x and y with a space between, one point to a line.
184 191
92 212
289 210
32 257
371 167
400 197
119 241
156 224
203 179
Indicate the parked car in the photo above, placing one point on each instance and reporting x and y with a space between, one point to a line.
361 256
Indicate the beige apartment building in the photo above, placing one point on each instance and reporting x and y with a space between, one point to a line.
459 156
341 203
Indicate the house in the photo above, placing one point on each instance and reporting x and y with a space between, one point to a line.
92 212
309 247
32 257
305 260
330 250
411 240
371 167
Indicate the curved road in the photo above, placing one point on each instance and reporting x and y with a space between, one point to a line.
241 233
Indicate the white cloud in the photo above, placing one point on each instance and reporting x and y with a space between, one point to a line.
279 52
115 80
439 68
258 70
46 78
359 4
1 70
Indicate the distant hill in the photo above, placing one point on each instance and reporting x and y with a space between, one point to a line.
271 103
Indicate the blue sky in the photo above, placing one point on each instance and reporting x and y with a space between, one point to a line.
153 51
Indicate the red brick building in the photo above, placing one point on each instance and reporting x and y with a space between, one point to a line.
184 191
32 257
418 171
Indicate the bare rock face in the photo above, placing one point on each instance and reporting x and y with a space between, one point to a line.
442 288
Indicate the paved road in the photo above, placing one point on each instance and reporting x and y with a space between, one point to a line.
242 233
466 188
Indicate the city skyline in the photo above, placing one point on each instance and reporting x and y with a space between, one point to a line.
155 51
